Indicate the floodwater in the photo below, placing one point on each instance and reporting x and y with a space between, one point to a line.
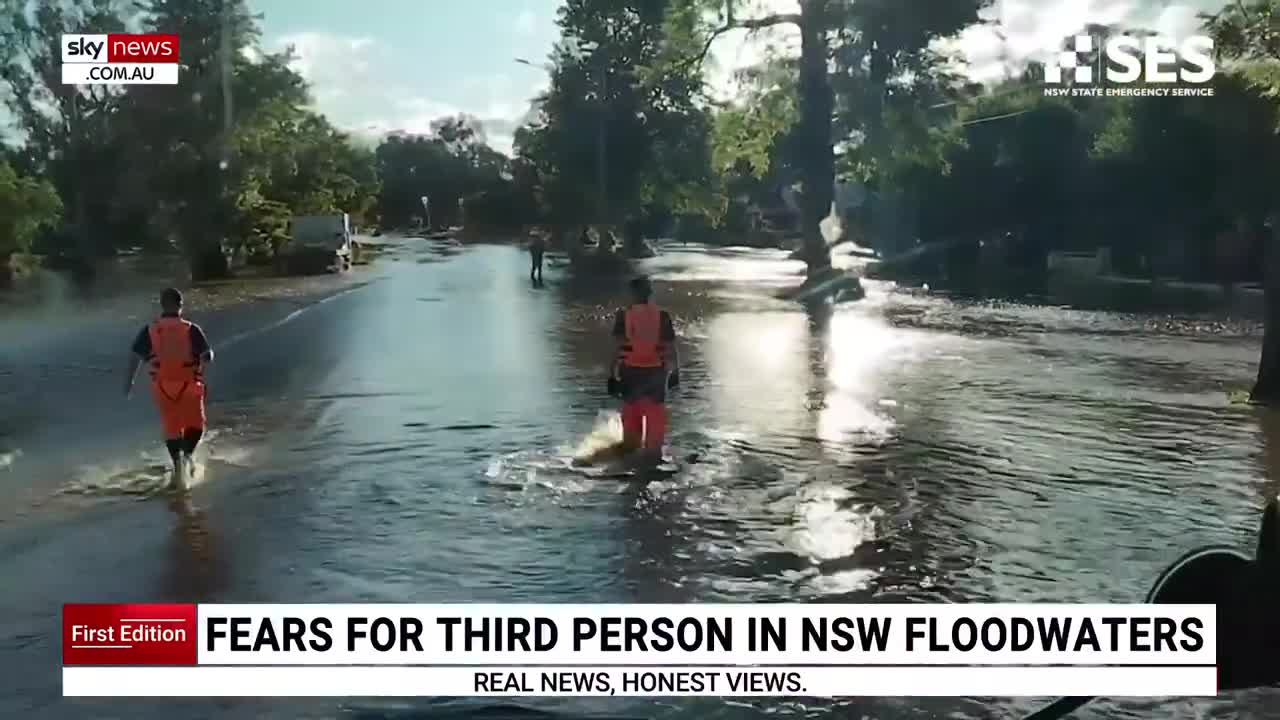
401 434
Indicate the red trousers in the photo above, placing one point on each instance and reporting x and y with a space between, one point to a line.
644 423
181 407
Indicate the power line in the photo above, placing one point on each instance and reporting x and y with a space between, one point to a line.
996 117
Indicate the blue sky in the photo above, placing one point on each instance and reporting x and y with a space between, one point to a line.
378 65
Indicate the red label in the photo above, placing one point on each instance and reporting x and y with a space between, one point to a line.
142 48
128 634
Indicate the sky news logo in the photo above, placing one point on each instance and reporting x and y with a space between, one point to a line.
1132 66
120 59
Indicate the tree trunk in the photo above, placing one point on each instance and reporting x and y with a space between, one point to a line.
1269 423
80 221
817 162
1266 390
892 236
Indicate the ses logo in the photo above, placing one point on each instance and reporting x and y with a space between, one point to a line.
120 59
1133 66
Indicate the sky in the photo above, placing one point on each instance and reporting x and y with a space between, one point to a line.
382 65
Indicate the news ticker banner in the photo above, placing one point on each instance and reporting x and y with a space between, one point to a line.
120 59
801 650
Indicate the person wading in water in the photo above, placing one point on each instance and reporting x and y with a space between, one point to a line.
647 366
176 352
537 248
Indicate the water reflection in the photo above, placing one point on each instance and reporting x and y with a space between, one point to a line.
658 555
859 350
408 444
197 573
758 372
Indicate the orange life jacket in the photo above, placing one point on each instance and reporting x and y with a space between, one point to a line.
643 347
173 358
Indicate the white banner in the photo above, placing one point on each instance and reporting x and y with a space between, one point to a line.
120 74
637 682
715 635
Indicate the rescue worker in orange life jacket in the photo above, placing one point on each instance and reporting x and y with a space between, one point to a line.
647 366
176 352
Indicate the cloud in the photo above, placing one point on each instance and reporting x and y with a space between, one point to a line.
526 23
350 83
1020 31
1017 31
338 68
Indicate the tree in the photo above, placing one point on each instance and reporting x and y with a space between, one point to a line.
27 206
1245 33
450 166
215 164
630 141
185 132
877 41
291 161
69 131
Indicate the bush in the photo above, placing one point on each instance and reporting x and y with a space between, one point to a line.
27 207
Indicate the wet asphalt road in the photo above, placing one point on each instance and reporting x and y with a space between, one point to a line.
401 434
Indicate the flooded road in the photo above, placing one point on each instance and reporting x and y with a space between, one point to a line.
403 435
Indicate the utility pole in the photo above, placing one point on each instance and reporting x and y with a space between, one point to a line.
602 176
77 144
224 142
225 53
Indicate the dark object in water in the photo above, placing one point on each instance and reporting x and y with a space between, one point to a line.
1246 593
461 426
831 285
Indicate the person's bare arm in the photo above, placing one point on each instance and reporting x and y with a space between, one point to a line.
204 349
137 355
134 362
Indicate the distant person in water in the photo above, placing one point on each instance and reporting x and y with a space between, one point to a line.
176 352
537 248
647 366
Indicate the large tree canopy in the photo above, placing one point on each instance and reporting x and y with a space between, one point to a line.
627 136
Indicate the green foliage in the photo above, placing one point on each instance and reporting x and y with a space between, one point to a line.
628 135
217 162
1138 175
750 132
453 166
1246 30
619 137
27 206
71 133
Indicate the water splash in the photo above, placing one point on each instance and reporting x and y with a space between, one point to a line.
605 435
148 473
827 528
7 459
